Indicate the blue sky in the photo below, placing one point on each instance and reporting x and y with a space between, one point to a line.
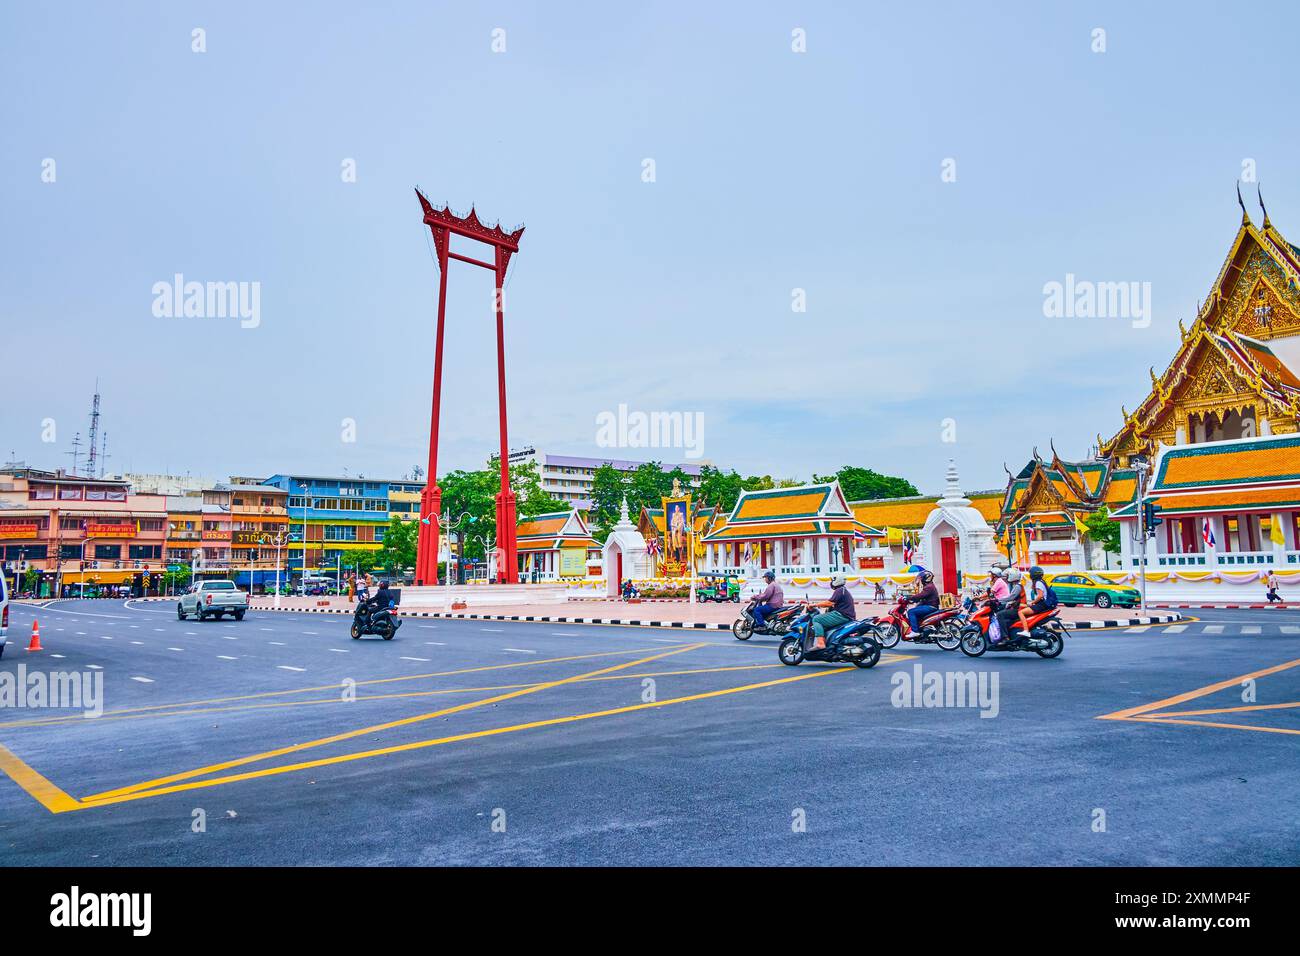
775 170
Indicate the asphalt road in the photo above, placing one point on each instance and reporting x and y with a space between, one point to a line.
468 742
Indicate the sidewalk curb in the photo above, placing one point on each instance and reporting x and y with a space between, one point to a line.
1284 606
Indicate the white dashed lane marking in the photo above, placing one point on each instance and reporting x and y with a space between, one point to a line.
175 648
140 643
94 667
436 643
337 650
226 657
143 680
104 637
276 643
518 650
59 656
286 667
422 660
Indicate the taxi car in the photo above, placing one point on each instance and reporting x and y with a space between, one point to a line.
1080 587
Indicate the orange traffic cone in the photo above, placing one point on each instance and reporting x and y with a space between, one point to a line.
35 645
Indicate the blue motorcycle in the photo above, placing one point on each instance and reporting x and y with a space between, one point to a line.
853 643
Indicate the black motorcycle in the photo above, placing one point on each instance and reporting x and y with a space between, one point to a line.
777 623
851 643
365 621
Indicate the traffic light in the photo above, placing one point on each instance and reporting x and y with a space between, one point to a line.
1151 516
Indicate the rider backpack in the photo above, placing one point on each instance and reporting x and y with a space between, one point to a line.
1050 600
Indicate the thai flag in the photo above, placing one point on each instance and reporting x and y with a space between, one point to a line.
858 536
907 551
1207 533
652 546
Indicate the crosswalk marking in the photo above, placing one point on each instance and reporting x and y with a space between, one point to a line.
1290 629
1214 629
1175 628
1139 629
1250 629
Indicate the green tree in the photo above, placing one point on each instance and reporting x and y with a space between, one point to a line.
1103 530
718 487
863 484
398 550
646 487
178 580
607 490
359 560
468 499
30 580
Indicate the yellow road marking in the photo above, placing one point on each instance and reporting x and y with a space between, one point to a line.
364 683
1219 710
183 711
46 793
1193 694
112 797
388 725
1207 723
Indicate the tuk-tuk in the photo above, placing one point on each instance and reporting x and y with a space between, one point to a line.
717 587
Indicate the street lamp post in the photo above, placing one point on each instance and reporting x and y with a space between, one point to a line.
305 500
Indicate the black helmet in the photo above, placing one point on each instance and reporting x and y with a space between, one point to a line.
1035 573
926 576
769 576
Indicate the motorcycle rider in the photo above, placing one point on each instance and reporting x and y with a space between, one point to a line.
925 601
841 611
770 600
1035 599
1010 605
379 607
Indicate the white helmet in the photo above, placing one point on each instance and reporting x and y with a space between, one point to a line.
837 580
1012 575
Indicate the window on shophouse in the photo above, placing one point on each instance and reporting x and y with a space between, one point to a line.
151 524
145 552
341 533
70 552
26 552
108 552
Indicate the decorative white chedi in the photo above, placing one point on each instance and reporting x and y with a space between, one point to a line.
953 516
625 542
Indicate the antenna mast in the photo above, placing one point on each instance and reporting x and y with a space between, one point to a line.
94 433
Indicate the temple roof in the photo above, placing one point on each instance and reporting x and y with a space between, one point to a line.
1254 299
910 512
818 509
555 529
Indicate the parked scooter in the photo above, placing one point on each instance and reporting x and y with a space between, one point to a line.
1046 633
852 643
777 623
942 628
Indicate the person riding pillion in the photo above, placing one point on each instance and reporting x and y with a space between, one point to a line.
770 600
841 610
924 602
1010 605
1036 599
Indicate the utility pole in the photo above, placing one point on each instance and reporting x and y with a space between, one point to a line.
1140 466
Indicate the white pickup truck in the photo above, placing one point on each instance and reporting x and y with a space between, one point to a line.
213 598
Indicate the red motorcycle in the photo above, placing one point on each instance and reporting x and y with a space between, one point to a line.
942 627
1046 633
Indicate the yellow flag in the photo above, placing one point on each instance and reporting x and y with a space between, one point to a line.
894 535
1275 530
1079 525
